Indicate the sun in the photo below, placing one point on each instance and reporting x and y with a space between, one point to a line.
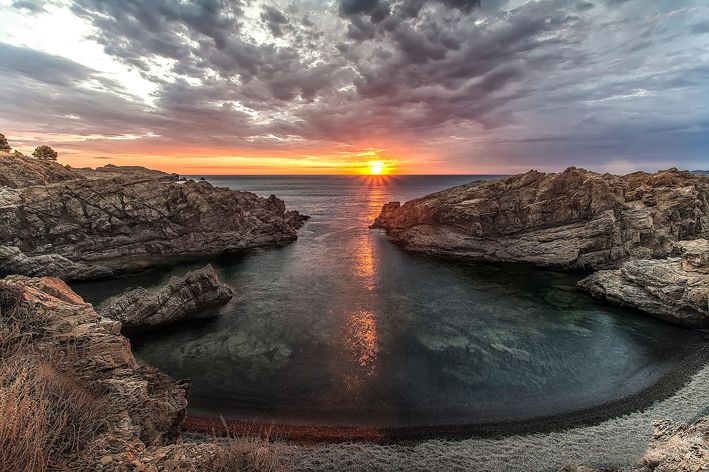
376 167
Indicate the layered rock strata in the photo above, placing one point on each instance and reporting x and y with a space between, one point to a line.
572 220
181 298
674 288
119 217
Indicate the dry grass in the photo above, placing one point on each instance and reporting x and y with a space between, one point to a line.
46 417
249 454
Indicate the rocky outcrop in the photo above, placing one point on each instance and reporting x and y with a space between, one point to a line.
145 407
675 289
678 447
18 172
118 217
181 298
572 220
13 261
141 409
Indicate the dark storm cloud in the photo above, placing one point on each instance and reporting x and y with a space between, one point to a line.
40 66
240 73
44 90
274 19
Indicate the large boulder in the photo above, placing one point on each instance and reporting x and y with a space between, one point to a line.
675 288
181 298
572 220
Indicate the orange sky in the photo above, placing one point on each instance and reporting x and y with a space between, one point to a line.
296 159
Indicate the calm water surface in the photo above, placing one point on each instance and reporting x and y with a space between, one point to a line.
343 327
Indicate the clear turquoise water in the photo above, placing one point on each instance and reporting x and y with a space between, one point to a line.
343 327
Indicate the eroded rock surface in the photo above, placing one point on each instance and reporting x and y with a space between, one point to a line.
573 220
116 217
675 288
146 406
13 261
141 408
181 298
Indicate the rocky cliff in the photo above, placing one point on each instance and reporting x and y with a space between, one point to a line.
572 220
116 217
675 288
181 298
140 410
144 406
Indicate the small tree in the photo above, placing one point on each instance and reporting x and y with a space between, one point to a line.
45 153
4 145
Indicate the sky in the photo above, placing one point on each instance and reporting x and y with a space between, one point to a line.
317 86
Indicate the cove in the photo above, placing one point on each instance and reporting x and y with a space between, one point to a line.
343 328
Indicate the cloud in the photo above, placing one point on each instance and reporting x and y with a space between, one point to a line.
494 74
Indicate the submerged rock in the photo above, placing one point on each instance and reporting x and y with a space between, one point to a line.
572 220
116 217
181 298
675 289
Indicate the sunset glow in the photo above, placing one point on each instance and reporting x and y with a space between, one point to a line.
257 88
376 167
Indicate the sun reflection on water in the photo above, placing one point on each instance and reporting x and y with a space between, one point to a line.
360 331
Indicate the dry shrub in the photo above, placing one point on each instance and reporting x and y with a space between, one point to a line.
249 454
10 297
47 419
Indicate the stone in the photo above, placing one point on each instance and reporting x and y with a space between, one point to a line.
122 218
575 219
13 261
675 289
181 298
143 406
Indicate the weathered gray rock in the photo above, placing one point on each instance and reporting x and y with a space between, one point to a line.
573 220
18 172
675 288
133 216
181 298
13 261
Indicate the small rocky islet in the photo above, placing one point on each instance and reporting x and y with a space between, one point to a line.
643 235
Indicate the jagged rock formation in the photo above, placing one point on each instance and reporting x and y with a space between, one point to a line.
114 216
573 220
18 172
181 298
675 288
678 447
